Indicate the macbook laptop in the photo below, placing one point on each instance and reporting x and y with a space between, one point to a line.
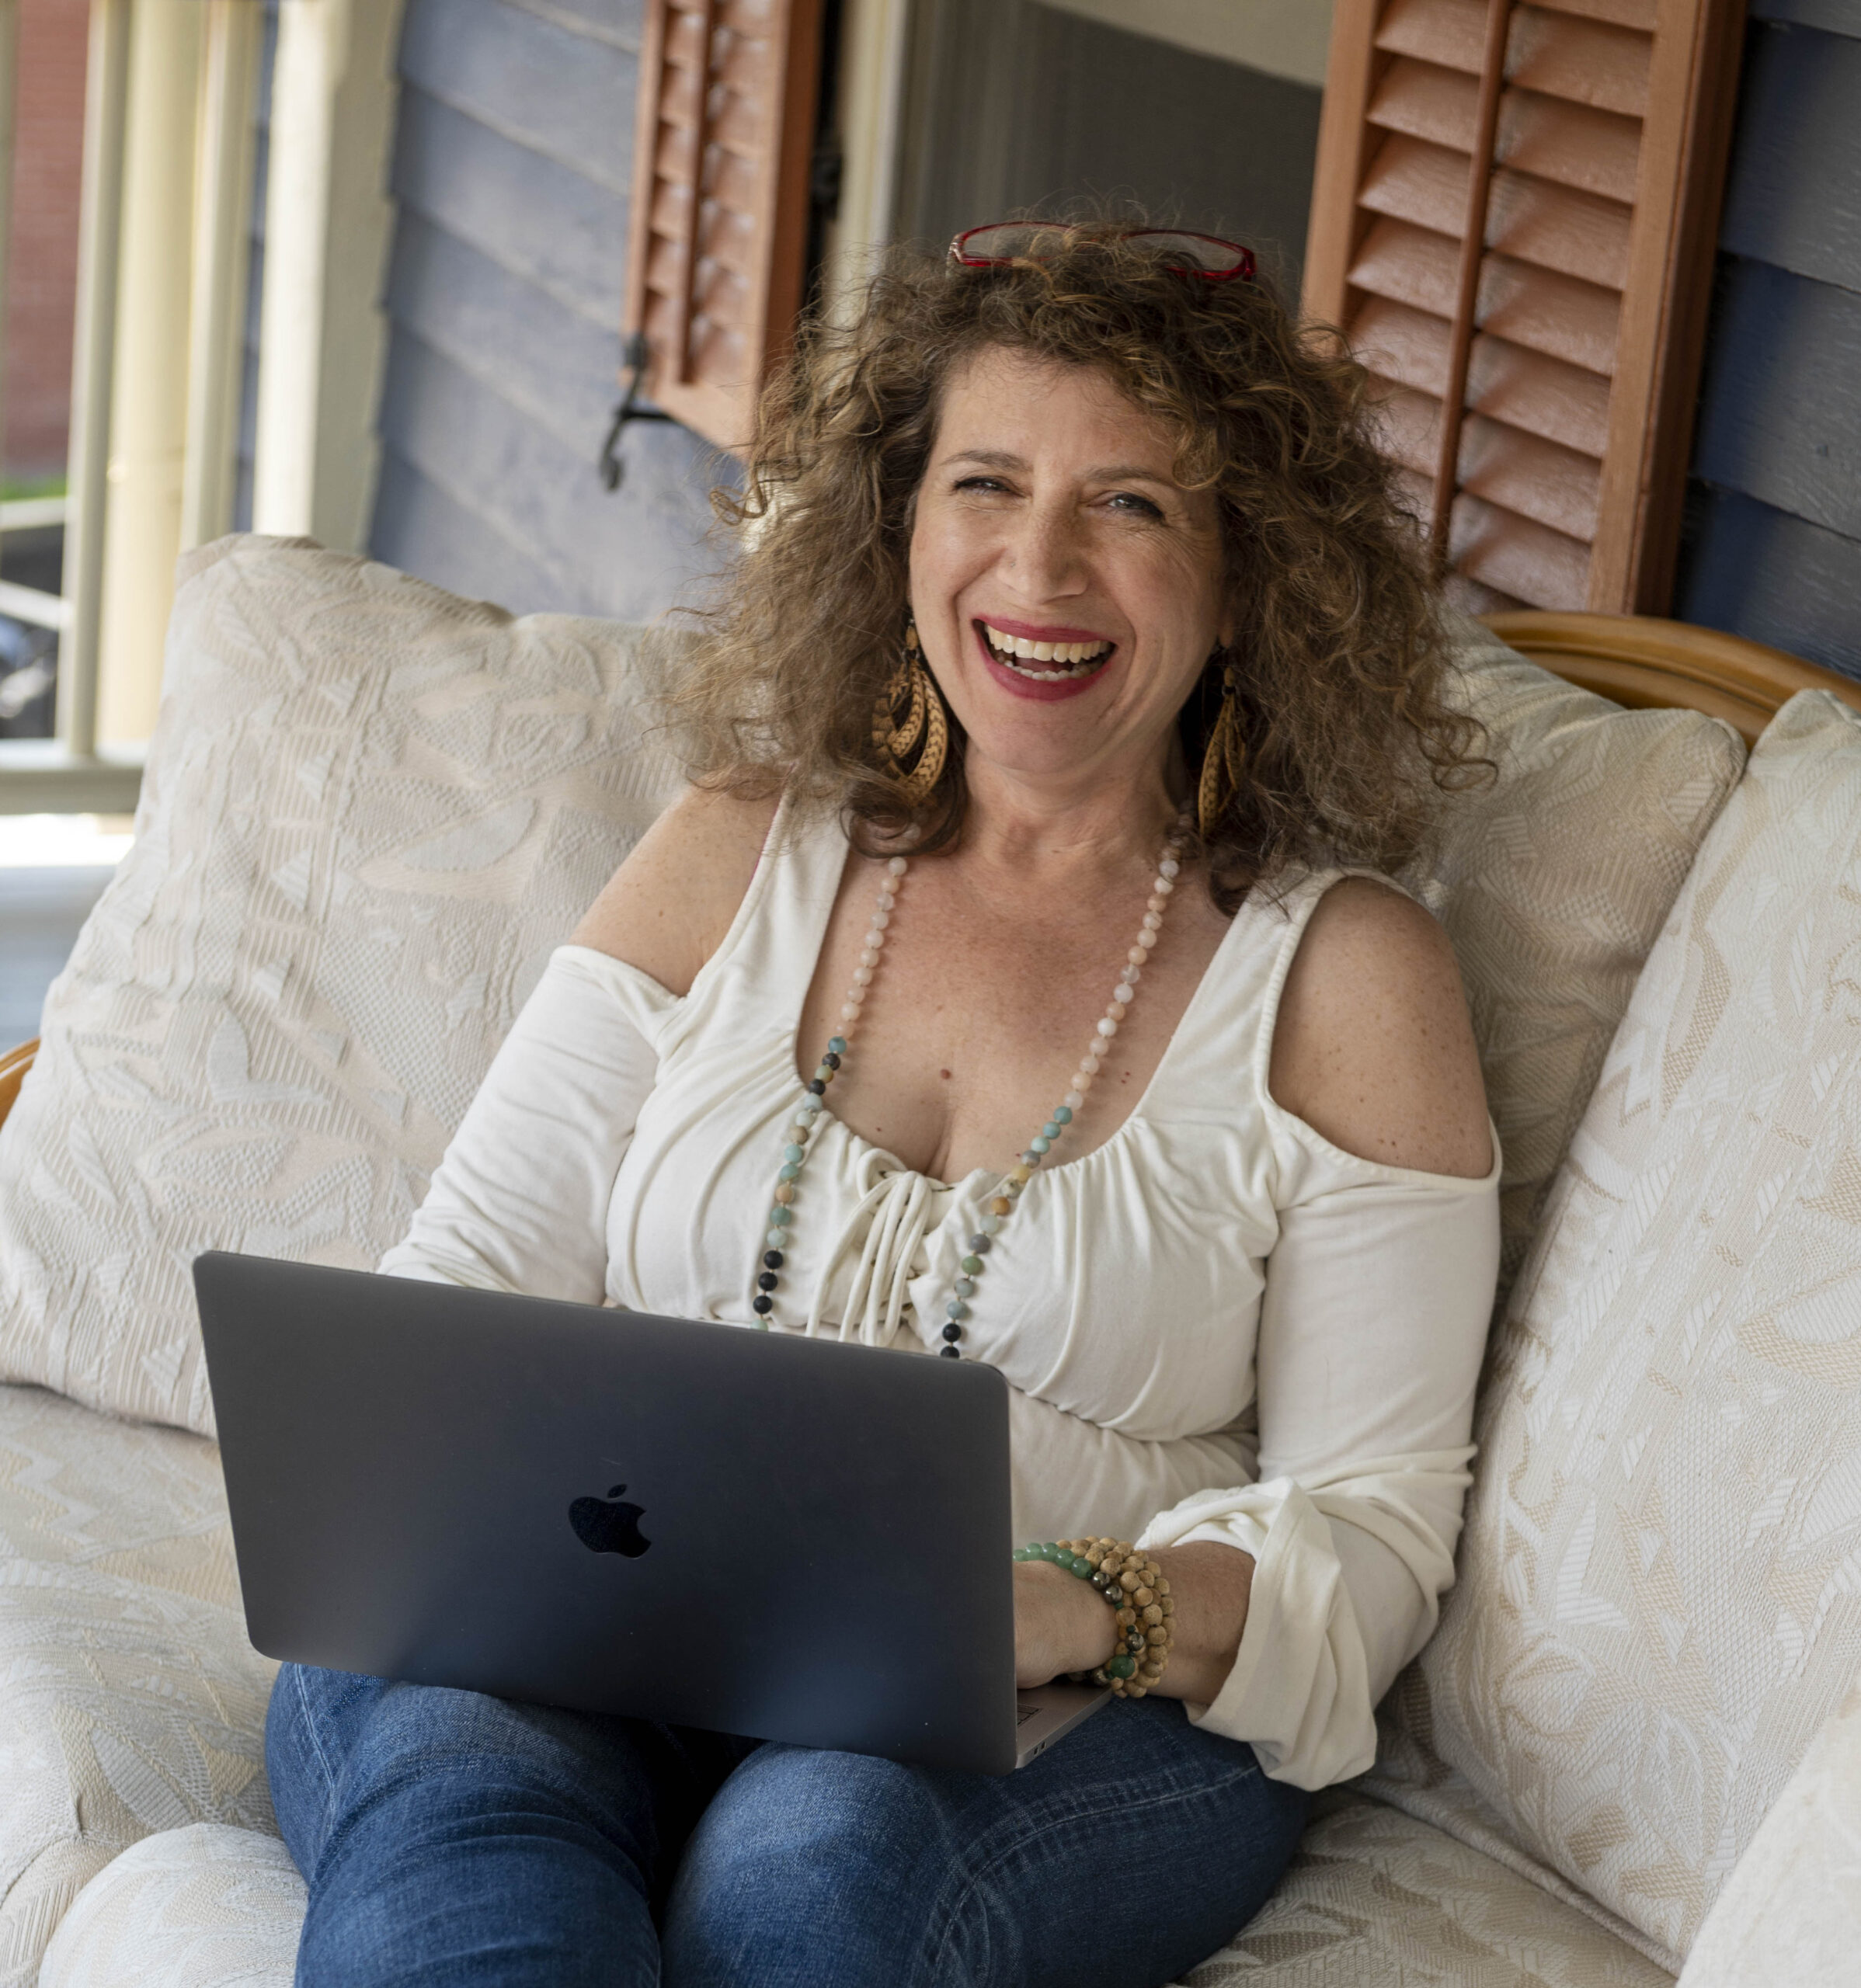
787 1539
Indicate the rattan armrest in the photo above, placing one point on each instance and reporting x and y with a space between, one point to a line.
13 1067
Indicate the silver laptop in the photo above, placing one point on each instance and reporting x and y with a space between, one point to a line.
787 1538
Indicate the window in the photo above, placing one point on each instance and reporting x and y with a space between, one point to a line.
161 317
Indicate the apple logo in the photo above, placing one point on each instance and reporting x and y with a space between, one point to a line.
604 1526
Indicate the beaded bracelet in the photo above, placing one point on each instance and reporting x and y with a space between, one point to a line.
1133 1586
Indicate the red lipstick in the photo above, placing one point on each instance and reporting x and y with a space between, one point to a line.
1019 685
1030 631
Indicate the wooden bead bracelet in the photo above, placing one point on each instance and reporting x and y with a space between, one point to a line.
1133 1585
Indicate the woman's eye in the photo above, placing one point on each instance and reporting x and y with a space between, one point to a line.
988 484
1132 505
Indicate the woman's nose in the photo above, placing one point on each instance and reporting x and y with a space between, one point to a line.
1045 555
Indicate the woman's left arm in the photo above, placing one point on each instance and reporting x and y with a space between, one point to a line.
1299 1597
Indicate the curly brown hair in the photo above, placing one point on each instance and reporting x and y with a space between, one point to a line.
1350 738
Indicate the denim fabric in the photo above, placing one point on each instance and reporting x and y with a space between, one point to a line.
449 1838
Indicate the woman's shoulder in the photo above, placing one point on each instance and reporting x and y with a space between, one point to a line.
1373 1046
667 909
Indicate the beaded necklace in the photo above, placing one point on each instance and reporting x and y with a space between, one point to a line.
1001 1204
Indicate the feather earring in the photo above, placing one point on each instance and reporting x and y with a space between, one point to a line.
1224 761
908 719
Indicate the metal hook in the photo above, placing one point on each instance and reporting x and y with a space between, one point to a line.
635 358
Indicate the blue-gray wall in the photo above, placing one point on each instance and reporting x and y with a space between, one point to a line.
1773 546
512 166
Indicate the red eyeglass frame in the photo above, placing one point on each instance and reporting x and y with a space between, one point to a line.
1241 270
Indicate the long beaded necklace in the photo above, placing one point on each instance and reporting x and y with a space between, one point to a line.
802 1127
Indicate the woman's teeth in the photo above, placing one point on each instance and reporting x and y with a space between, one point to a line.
1068 659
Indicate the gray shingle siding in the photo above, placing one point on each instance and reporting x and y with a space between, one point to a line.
1780 419
1794 197
1773 542
511 161
1838 16
558 89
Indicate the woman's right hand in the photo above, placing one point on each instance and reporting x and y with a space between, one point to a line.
1061 1624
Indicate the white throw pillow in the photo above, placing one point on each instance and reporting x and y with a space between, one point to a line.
1660 1594
1552 882
371 810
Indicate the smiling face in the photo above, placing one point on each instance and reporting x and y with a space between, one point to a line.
1067 590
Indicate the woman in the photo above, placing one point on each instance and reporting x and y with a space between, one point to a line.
1078 686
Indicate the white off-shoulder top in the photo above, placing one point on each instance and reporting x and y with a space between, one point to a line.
1216 1325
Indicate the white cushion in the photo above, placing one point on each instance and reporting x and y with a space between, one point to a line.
371 810
130 1701
1552 882
1790 1915
1375 1899
1658 1604
206 1906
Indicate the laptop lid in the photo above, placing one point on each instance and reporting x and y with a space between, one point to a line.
597 1509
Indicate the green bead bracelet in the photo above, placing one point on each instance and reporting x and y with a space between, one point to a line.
1134 1587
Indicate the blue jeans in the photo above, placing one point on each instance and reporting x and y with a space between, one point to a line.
456 1840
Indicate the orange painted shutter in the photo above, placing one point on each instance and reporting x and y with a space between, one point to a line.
719 223
1552 299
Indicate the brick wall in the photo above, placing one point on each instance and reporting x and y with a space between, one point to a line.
43 275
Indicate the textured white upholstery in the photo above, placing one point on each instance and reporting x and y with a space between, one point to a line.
1376 1899
1658 1606
206 1906
1553 882
1790 1915
131 1701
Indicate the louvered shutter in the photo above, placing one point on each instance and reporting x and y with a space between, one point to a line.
1552 298
719 224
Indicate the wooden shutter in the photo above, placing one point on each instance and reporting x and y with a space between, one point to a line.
719 224
1512 219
